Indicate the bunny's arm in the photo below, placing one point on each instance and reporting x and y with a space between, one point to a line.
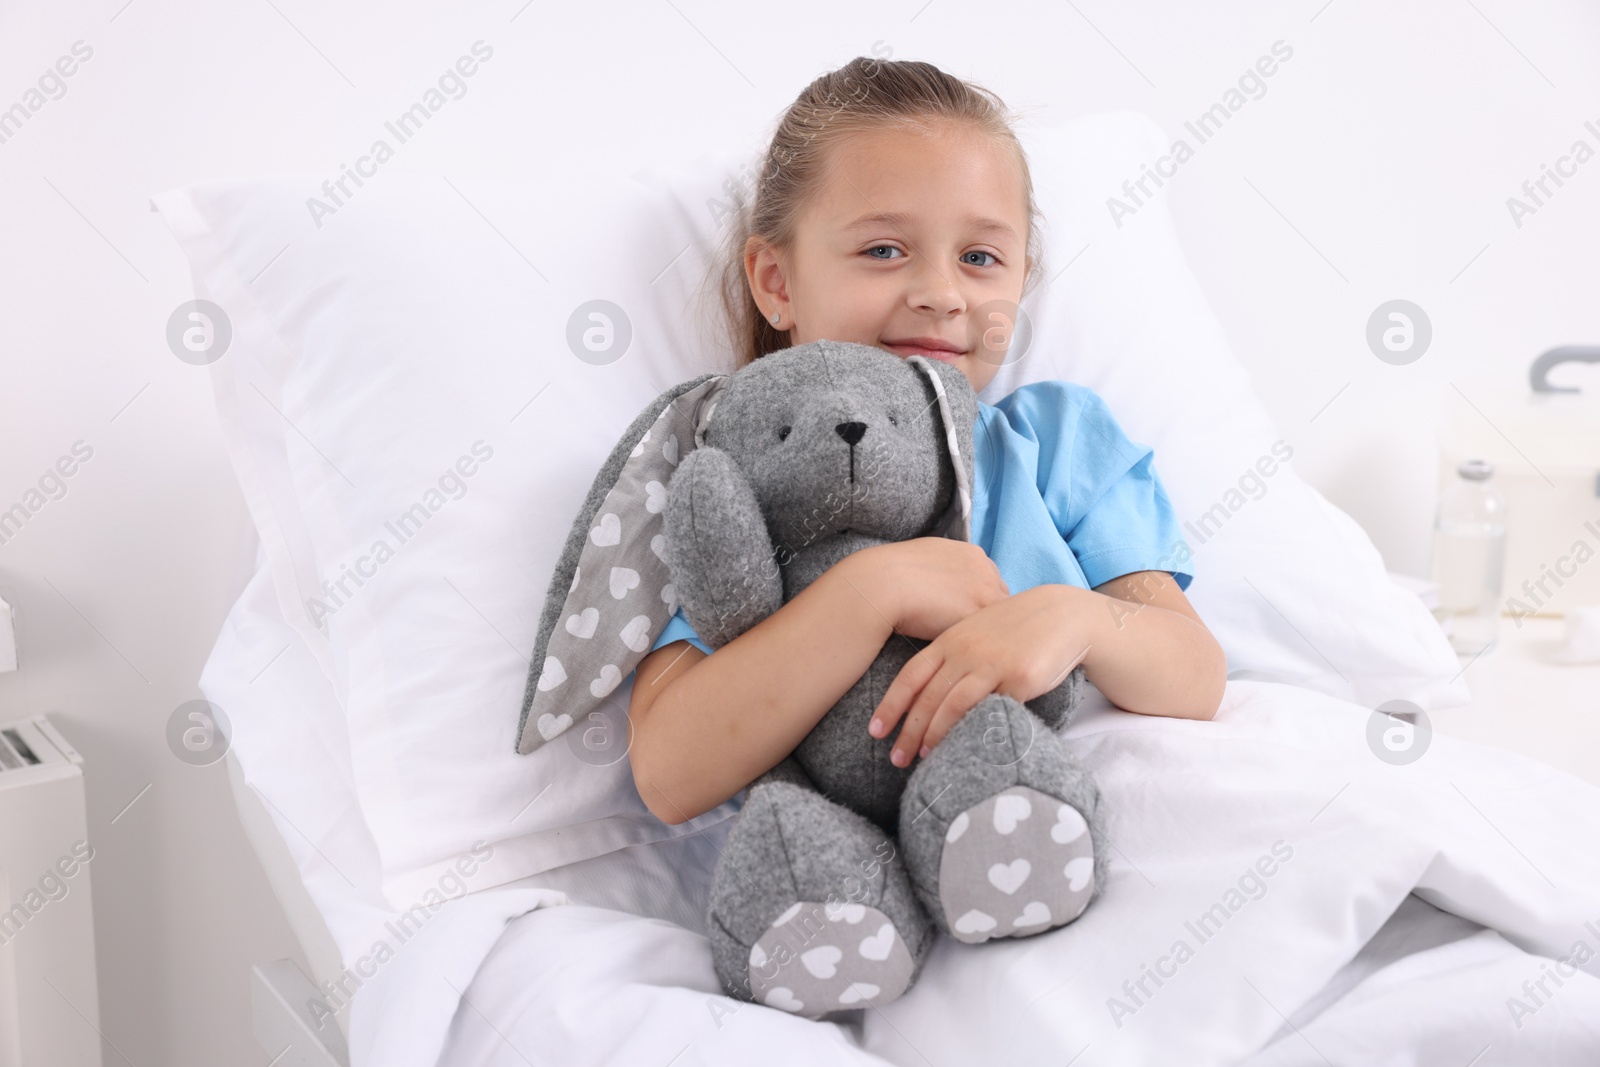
718 549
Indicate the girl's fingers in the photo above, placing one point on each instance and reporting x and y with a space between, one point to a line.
905 688
962 698
934 694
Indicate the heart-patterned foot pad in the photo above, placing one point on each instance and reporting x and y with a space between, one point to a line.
817 958
1016 864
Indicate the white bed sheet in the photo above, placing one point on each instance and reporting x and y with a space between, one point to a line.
1475 869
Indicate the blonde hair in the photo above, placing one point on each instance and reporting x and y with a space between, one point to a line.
864 95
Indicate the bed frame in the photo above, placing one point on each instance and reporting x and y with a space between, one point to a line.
282 994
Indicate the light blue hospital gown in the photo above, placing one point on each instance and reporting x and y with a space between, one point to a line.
1060 495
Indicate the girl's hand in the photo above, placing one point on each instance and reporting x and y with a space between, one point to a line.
928 584
1020 647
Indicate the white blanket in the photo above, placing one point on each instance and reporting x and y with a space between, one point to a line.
1256 856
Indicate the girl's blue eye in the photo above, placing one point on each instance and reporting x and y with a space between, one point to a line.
891 248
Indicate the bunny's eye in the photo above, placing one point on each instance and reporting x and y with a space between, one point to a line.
783 432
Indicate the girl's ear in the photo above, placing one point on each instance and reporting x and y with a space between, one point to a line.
611 592
958 411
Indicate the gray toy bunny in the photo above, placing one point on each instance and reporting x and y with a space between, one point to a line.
841 865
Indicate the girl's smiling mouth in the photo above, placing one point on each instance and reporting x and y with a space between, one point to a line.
932 347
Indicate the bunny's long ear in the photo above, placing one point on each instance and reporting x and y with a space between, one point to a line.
958 411
611 592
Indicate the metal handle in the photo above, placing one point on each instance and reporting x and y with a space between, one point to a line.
1539 373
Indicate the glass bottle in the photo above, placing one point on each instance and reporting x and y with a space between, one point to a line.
1469 555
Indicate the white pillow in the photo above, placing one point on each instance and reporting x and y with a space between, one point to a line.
368 359
415 354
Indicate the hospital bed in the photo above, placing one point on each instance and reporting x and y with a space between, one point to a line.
1281 892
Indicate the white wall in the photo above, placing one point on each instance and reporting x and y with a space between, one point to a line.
1376 166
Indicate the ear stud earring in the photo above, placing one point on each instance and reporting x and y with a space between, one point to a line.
775 318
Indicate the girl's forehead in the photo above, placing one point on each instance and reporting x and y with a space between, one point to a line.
901 177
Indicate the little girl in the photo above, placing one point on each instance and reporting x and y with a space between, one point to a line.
895 209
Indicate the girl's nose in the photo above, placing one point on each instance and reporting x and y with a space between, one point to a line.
851 431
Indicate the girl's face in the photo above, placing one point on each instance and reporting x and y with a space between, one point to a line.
915 243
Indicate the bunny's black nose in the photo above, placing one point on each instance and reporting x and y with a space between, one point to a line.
851 431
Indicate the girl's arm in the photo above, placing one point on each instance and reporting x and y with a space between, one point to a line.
1138 637
1155 656
705 727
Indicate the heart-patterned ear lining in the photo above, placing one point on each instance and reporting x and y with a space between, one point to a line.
611 593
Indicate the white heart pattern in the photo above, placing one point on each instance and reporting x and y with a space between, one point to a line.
669 597
878 945
782 997
789 913
858 991
551 725
958 826
552 675
822 961
1078 872
988 878
1069 826
655 497
622 580
1008 877
670 450
610 678
658 545
608 533
638 449
975 922
849 912
758 956
583 623
1010 809
636 635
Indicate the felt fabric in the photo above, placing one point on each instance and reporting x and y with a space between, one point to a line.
1000 833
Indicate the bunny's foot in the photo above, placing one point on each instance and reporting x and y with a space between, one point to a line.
822 957
1001 827
1015 864
811 910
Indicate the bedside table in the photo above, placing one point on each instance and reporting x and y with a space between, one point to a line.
1523 702
49 990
